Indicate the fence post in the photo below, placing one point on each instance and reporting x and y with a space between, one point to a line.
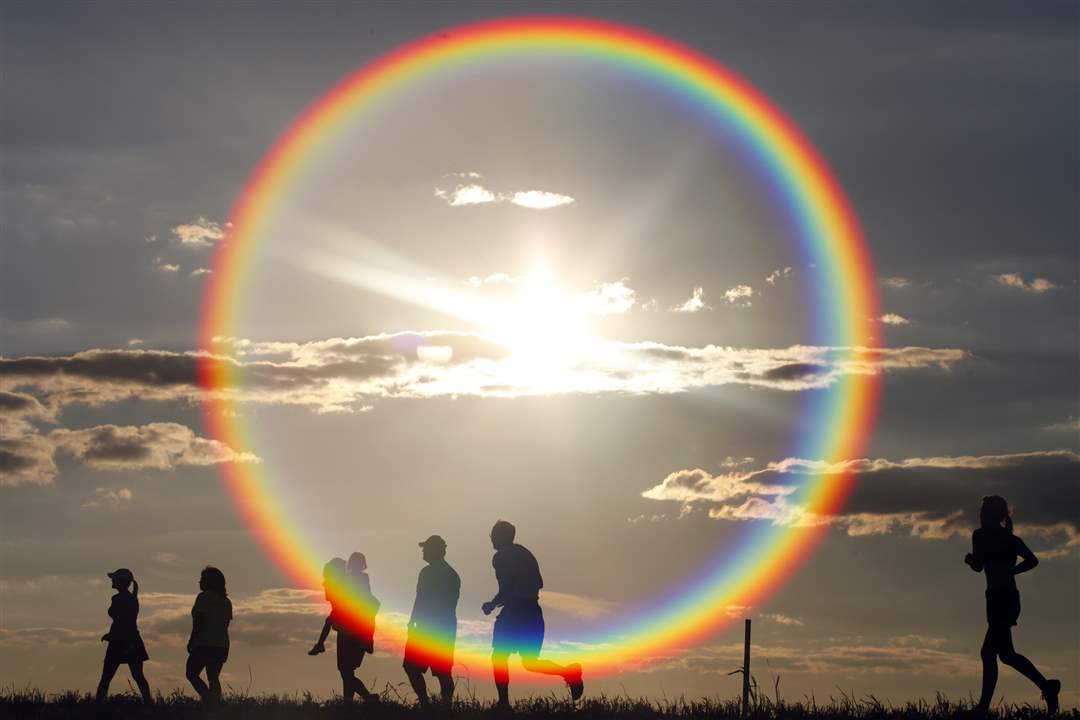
746 672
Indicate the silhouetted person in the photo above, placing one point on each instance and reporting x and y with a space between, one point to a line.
125 644
995 549
519 628
208 647
348 585
433 623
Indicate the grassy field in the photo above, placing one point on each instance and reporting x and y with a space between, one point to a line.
33 704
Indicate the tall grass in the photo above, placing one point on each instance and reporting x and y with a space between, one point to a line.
33 704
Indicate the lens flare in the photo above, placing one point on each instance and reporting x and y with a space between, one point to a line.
824 233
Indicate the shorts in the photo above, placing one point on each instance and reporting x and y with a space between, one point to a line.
419 658
1002 607
207 655
350 651
519 628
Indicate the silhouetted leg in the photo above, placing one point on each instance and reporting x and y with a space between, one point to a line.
546 667
348 685
990 669
107 672
140 681
1004 643
416 679
213 676
195 665
446 688
501 670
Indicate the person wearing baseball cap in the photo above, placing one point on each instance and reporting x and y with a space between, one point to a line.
433 623
125 644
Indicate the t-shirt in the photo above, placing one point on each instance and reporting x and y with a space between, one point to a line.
215 614
518 574
124 611
997 550
437 590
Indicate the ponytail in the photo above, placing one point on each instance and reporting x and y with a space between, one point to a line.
135 588
1008 524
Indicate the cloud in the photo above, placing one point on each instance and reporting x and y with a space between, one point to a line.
27 457
103 497
695 303
539 199
463 195
201 271
473 193
778 274
34 326
1013 280
156 446
162 266
579 606
909 655
1069 425
896 282
894 319
20 405
782 619
199 233
346 374
739 295
930 498
607 298
135 342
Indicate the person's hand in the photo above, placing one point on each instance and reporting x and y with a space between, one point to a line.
317 649
487 607
106 637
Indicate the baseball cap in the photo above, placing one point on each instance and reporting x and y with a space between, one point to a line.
434 541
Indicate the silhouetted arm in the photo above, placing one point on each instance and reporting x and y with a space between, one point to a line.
500 597
1029 560
975 559
320 645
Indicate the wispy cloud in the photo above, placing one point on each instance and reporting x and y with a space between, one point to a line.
200 271
104 497
739 295
579 606
468 191
894 319
165 267
34 326
539 199
607 298
1014 280
896 282
199 233
778 274
695 303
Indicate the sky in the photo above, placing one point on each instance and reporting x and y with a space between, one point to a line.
545 292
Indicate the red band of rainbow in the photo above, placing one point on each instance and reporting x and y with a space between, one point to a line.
826 232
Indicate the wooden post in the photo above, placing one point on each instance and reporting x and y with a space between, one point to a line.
746 672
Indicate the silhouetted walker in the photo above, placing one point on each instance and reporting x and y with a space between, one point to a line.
125 644
995 549
208 647
519 627
433 623
355 635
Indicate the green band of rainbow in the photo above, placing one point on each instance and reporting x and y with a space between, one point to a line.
844 304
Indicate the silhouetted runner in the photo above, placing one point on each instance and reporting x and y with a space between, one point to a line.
125 644
995 549
433 623
208 647
348 585
519 627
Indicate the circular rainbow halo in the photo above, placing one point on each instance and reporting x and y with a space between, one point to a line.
823 229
